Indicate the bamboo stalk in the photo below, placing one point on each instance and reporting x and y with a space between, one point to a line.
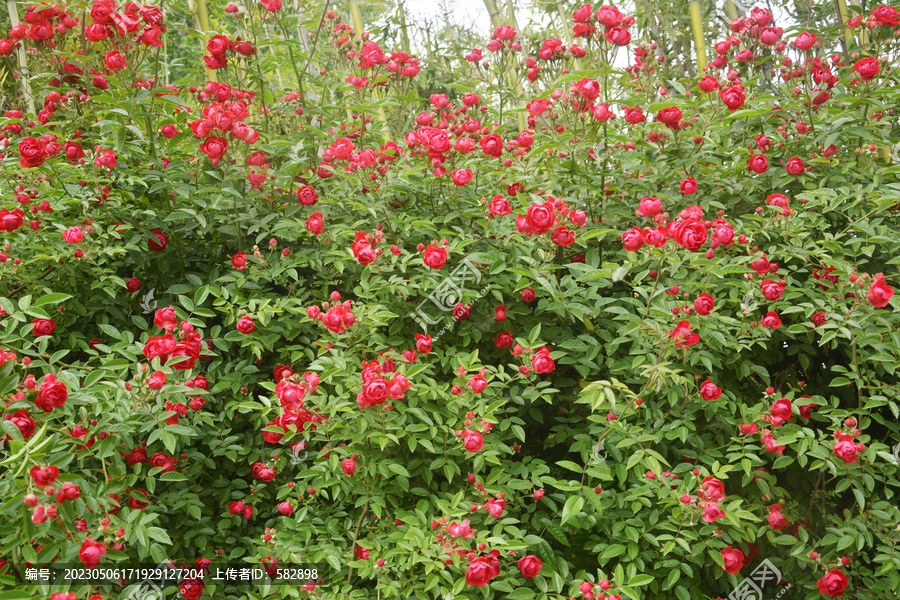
699 41
843 17
494 14
404 36
732 10
567 31
358 25
22 59
201 26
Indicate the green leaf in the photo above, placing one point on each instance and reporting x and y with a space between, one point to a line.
50 299
639 580
572 508
159 534
611 552
399 470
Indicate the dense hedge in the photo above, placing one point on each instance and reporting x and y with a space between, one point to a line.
639 347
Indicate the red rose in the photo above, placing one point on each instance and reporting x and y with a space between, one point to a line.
610 16
307 196
375 391
617 36
634 115
886 15
157 380
461 177
504 340
683 335
867 68
708 83
709 390
688 186
541 362
31 153
239 261
690 235
880 293
134 501
423 343
499 206
133 285
804 41
771 289
482 569
107 159
833 584
166 462
563 236
217 45
711 489
91 552
775 519
21 420
42 327
733 559
246 325
44 476
158 244
528 295
633 239
795 166
845 447
191 589
114 60
771 320
435 257
315 224
704 304
758 163
669 117
214 147
492 145
530 566
461 311
780 412
733 97
10 221
541 217
473 440
588 89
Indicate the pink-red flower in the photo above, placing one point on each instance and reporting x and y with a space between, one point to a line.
733 559
880 293
833 583
435 257
530 566
482 569
683 335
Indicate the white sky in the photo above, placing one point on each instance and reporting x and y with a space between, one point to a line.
461 11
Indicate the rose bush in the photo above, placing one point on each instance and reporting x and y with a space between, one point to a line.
631 349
